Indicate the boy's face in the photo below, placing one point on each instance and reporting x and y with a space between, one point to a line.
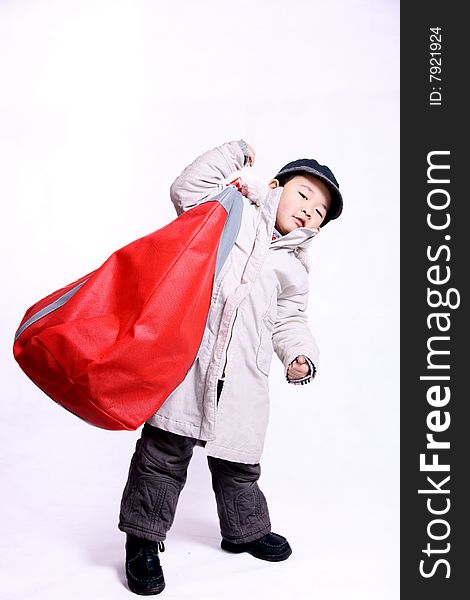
304 202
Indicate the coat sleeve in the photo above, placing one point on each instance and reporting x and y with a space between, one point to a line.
292 336
204 177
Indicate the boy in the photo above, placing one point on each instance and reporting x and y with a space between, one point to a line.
258 305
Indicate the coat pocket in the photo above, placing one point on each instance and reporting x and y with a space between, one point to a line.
264 354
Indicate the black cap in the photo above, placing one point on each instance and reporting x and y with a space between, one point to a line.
322 172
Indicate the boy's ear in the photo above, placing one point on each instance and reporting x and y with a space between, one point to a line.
274 183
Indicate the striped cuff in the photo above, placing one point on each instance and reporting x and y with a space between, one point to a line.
243 145
308 378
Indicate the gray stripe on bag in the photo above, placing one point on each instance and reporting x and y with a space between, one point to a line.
232 200
49 308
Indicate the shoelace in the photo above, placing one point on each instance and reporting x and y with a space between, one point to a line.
153 547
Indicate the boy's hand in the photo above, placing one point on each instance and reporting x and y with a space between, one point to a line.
298 368
251 155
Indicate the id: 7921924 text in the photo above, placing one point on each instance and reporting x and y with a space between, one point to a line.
435 66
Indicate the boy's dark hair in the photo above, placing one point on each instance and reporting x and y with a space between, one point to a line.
309 166
283 179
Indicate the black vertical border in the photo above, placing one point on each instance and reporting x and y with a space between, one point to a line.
424 129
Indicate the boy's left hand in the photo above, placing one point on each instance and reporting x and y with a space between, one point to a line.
298 368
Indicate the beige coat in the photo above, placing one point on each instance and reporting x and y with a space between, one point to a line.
258 304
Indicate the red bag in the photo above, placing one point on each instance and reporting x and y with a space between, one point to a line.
111 346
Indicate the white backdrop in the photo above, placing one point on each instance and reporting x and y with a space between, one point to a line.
103 103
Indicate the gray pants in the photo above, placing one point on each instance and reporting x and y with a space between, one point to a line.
157 475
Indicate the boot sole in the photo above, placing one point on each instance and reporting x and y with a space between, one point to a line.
149 591
269 557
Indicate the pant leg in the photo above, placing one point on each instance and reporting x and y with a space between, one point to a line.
241 505
157 474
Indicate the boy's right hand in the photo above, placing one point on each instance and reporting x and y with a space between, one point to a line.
251 155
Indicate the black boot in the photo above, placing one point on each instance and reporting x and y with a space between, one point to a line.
272 547
143 569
